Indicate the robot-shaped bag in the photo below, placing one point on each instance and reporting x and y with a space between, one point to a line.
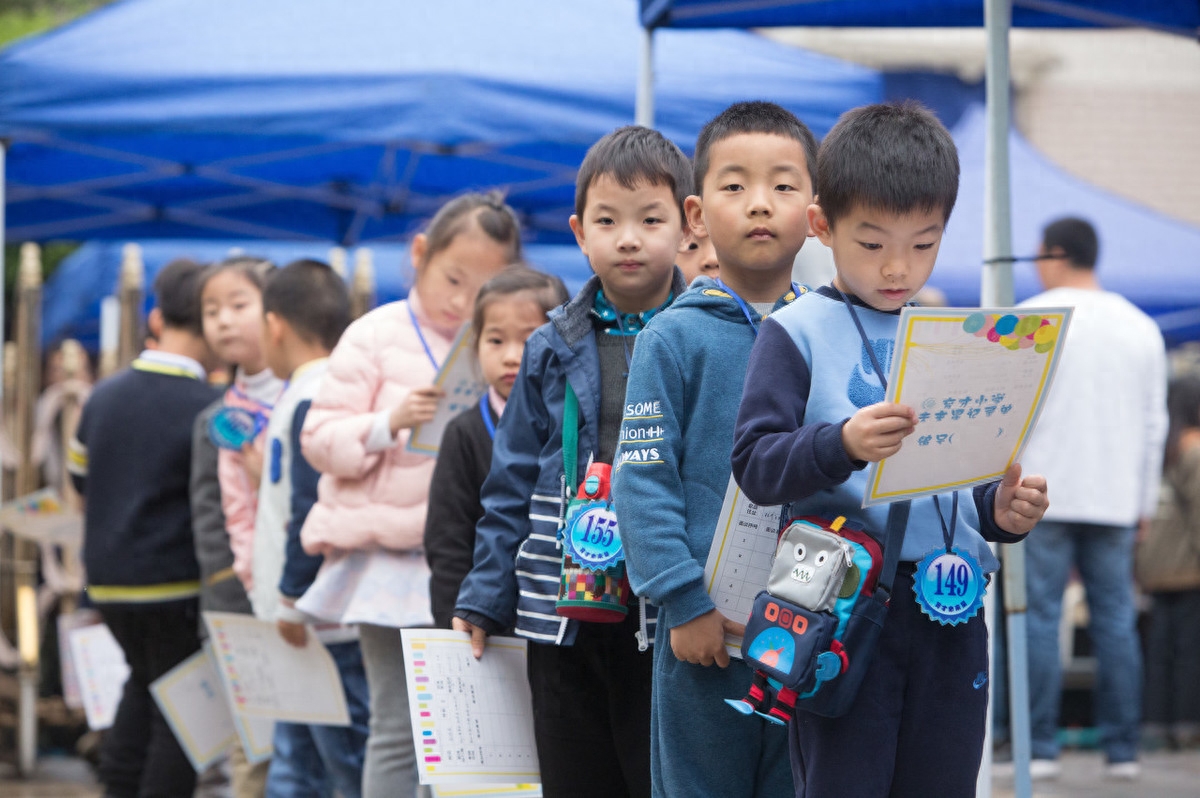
793 636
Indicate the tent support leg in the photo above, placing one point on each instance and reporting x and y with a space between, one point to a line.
997 291
644 109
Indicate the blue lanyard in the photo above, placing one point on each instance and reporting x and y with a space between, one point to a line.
424 343
746 308
484 411
947 534
238 392
947 531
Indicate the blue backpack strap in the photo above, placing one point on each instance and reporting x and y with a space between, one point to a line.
893 541
570 438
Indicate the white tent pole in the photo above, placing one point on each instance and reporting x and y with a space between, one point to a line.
643 113
997 291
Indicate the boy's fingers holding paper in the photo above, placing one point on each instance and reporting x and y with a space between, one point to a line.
478 635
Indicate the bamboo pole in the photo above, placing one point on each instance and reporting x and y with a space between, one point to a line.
131 293
10 413
75 380
28 385
337 261
362 290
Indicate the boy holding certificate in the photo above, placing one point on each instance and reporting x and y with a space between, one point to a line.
887 180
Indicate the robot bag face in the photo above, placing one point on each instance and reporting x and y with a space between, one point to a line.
813 574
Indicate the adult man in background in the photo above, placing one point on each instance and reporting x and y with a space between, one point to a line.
1100 444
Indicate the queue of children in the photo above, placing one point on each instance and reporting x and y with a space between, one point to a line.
661 391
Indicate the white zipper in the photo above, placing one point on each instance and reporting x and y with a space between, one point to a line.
643 639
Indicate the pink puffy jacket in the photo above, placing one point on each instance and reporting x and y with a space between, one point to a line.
369 500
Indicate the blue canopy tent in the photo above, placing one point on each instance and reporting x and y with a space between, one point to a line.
85 277
1173 16
351 122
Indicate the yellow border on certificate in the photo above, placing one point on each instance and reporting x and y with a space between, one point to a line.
737 493
172 712
894 391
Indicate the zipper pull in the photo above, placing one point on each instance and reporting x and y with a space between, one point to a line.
643 639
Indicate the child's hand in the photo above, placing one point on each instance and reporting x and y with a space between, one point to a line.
417 408
294 633
701 641
876 432
478 635
1020 503
252 461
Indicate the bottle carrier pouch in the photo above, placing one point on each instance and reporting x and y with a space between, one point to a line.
810 565
593 585
786 641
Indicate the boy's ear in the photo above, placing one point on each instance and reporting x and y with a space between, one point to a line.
417 250
273 328
693 214
818 225
155 322
577 229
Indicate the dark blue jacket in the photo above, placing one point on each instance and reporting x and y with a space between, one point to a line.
514 580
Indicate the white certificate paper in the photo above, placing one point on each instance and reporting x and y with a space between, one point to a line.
463 383
101 670
739 560
472 719
268 678
192 700
977 379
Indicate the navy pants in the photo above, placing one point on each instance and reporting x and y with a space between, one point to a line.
139 756
916 728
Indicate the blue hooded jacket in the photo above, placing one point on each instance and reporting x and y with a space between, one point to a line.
672 468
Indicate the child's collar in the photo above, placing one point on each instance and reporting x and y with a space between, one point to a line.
618 323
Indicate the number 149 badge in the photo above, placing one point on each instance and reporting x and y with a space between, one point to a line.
949 581
949 586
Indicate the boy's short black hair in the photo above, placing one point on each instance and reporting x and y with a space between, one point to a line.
896 158
310 296
755 116
177 295
632 155
1076 238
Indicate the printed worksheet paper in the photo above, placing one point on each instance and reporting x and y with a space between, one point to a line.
472 719
739 560
101 670
268 678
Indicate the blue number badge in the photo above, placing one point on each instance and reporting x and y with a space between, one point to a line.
949 581
949 586
592 538
234 427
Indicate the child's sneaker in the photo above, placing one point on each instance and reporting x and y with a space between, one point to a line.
1122 771
1044 769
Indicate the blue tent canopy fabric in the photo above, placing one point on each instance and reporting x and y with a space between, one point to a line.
350 122
72 297
1172 16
